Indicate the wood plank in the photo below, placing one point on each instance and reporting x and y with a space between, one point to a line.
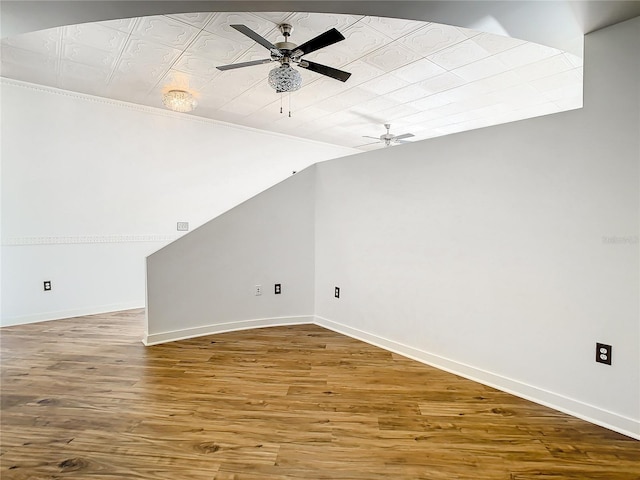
82 398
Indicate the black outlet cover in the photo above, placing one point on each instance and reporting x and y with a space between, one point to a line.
337 293
277 289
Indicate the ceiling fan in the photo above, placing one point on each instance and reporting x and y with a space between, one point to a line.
388 138
285 78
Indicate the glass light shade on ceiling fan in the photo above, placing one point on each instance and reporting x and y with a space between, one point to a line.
285 79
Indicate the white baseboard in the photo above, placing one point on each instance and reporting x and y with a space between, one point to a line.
156 338
598 416
77 312
590 413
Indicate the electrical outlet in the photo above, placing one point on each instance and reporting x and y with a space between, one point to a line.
47 285
337 292
183 226
258 290
277 289
603 353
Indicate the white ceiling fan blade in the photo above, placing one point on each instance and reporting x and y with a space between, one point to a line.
404 135
367 144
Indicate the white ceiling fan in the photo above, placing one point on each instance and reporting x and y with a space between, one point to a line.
388 138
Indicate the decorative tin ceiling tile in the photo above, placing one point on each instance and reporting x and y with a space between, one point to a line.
308 25
395 113
393 27
275 17
384 84
432 38
418 71
221 23
230 86
407 94
125 25
496 43
347 99
80 53
525 54
484 68
127 86
29 66
198 20
391 57
165 31
96 35
34 60
259 96
216 48
197 65
458 55
44 42
441 82
430 102
544 68
361 72
560 80
77 74
149 55
359 40
374 105
177 80
502 80
331 57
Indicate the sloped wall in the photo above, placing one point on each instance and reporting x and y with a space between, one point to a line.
205 282
506 253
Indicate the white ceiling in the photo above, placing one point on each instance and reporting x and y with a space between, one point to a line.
425 78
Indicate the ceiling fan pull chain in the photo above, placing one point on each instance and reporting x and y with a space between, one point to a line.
281 102
289 104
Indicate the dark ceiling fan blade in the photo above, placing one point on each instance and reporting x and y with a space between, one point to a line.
255 37
324 70
323 40
244 64
404 135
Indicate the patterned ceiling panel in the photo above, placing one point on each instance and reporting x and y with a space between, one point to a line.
424 78
198 20
165 31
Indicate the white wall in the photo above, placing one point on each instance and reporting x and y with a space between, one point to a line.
90 187
489 252
205 282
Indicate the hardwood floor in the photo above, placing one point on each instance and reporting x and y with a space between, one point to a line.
83 398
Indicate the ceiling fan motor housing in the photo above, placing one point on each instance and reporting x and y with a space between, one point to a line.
285 29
